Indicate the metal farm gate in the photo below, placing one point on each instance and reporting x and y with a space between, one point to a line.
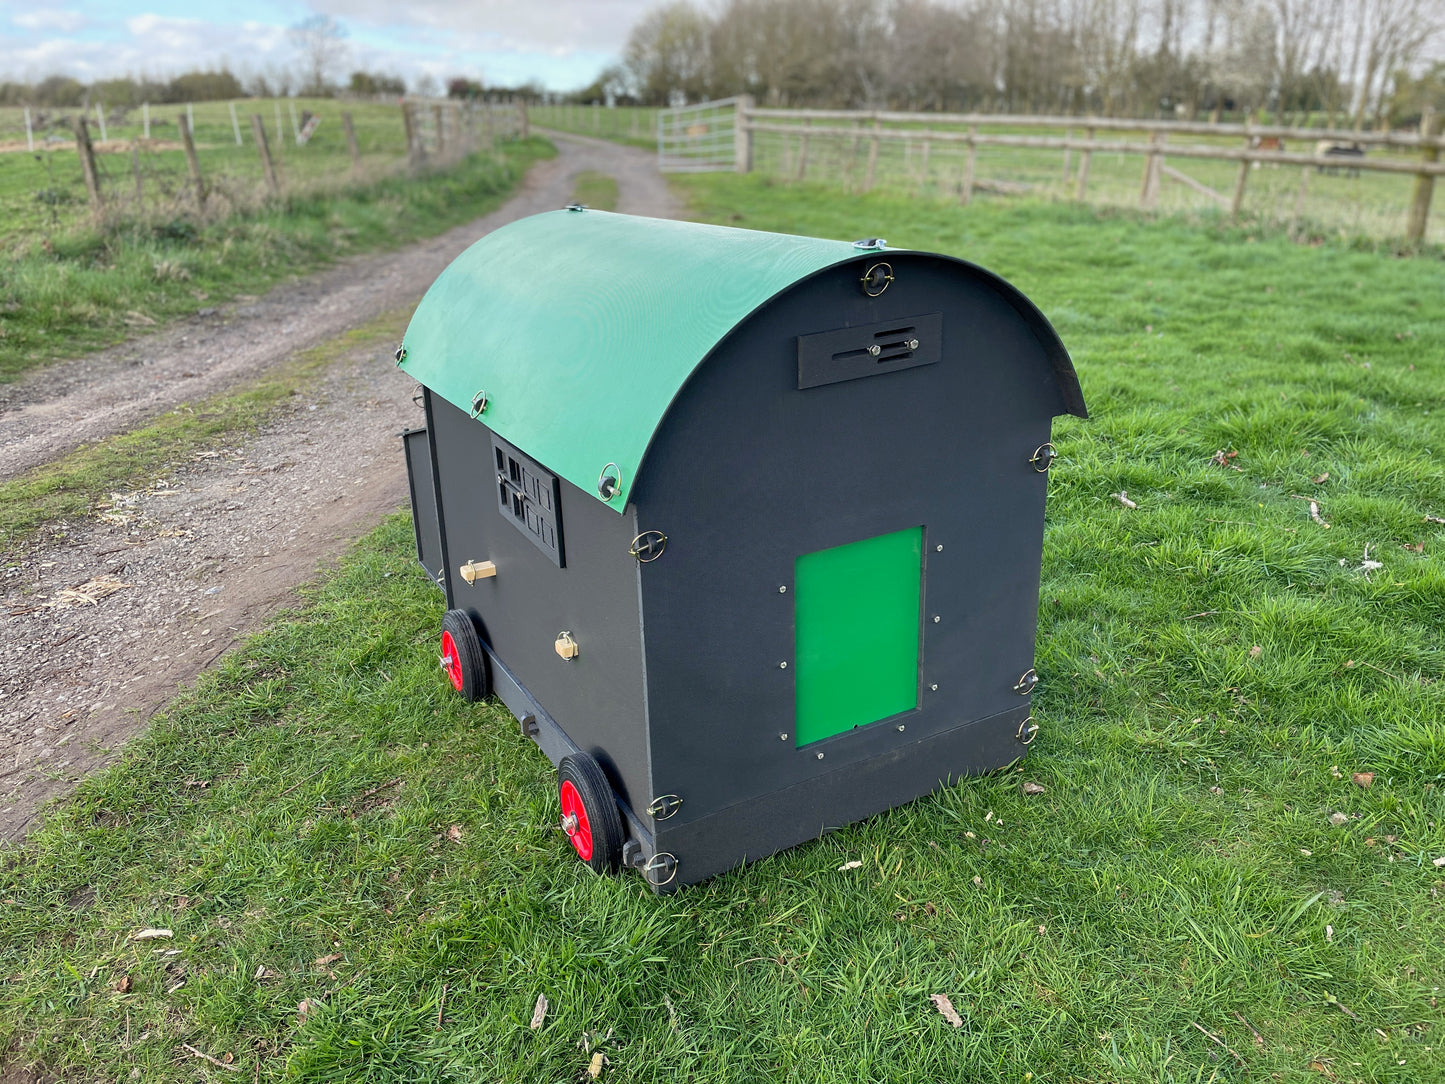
697 138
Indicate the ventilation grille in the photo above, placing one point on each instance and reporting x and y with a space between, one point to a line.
529 498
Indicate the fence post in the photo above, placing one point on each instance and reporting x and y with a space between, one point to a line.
439 119
295 126
87 165
803 149
145 116
1068 138
346 126
923 170
100 119
872 159
414 153
193 163
969 161
1146 184
235 123
29 132
1085 158
1419 218
1237 203
526 123
280 131
135 170
742 134
258 129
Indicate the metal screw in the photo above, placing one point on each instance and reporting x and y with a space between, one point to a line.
875 350
782 666
820 756
940 548
936 619
782 737
933 688
783 590
913 344
900 728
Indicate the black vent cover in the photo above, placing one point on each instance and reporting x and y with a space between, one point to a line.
529 498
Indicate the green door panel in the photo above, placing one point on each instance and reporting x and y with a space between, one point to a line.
856 633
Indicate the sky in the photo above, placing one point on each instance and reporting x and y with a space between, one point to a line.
561 44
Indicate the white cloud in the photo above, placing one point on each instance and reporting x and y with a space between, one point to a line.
559 27
65 22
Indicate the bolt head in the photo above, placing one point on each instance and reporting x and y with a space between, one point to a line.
900 728
936 619
782 666
820 756
933 688
939 547
783 590
782 737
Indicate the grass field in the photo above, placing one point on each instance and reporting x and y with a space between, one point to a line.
364 881
89 287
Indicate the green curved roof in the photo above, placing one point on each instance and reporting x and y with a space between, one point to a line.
582 326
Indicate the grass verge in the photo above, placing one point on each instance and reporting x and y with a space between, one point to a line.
74 484
596 190
91 288
1202 892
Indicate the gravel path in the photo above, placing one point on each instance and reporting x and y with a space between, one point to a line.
105 619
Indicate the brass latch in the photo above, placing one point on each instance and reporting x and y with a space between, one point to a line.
566 646
473 571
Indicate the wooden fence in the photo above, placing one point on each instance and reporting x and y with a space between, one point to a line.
863 133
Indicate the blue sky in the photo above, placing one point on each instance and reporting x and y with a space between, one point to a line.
560 43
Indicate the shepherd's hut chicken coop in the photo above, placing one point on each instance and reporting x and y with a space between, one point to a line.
745 529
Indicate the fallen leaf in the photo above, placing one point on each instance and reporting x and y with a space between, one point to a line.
1043 929
1315 515
1338 819
946 1010
121 985
1123 498
328 960
1222 458
1321 479
1307 854
1362 779
849 865
260 974
977 880
151 935
454 833
1033 788
1216 790
539 1013
306 1008
1256 651
1329 933
594 1067
1438 861
1435 519
1321 1067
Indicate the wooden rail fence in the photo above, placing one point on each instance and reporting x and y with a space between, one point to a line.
1257 144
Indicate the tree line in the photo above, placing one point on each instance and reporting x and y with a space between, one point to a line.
1356 61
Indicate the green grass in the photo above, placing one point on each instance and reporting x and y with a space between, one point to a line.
79 482
90 288
42 193
1180 868
596 190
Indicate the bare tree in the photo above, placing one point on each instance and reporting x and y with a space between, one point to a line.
321 40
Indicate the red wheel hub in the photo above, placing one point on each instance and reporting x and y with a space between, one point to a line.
452 660
574 821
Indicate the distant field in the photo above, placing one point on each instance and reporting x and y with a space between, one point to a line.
1333 205
42 193
1232 872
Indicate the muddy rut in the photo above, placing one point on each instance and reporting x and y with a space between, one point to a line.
105 619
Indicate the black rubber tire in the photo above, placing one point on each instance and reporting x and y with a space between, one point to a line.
603 816
476 684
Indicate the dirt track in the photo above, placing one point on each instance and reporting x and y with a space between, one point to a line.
102 624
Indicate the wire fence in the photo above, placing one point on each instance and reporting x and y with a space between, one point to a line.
244 153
